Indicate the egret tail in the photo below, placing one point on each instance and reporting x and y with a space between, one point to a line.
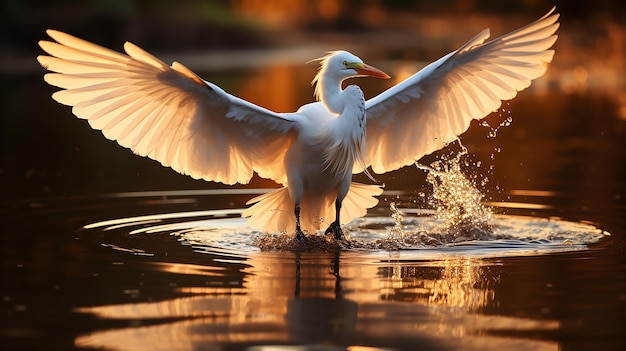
273 211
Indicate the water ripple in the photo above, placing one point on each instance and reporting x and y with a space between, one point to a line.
422 235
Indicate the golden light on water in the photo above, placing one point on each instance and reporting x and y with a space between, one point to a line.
527 192
621 98
283 97
453 283
520 205
458 286
285 298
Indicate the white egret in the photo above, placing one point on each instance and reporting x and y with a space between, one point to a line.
168 113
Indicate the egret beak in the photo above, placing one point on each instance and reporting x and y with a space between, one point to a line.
366 70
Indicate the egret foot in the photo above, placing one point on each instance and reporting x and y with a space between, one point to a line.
335 229
300 242
300 235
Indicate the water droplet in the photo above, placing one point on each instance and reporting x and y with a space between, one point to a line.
396 232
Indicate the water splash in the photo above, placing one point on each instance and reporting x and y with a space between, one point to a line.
493 131
458 203
396 231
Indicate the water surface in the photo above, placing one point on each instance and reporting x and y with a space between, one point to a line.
103 249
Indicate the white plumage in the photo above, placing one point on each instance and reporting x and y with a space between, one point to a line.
168 113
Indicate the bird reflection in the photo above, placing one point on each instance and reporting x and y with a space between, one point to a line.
316 319
335 272
316 299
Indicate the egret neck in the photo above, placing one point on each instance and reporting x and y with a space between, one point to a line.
329 79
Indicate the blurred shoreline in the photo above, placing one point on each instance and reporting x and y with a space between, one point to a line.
588 55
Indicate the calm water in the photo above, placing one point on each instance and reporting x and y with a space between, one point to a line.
103 249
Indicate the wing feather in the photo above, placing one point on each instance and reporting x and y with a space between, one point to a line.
167 112
434 106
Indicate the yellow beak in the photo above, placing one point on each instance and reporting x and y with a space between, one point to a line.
366 70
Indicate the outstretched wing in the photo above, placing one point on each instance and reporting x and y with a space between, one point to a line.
431 108
167 112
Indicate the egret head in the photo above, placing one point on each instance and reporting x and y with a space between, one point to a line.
337 66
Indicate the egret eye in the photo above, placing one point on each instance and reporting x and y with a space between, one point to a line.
345 63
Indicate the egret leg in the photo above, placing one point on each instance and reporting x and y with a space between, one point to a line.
335 227
299 233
